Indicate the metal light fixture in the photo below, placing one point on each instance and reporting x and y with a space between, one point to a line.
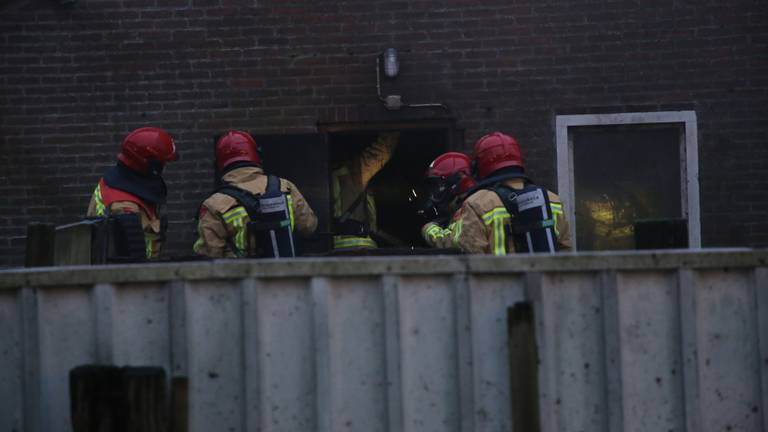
391 66
391 62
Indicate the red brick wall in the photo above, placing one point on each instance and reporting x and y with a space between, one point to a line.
74 80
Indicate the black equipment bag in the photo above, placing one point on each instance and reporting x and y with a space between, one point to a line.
117 238
128 236
269 231
532 225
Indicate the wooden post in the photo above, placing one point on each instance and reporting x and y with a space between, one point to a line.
96 399
113 399
145 400
523 367
179 404
41 244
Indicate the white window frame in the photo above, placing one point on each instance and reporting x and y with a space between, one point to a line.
689 169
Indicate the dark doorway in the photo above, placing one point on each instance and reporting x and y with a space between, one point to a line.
393 187
307 160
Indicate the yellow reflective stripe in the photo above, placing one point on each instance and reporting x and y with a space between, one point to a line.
235 213
425 230
557 210
500 237
489 217
346 241
236 219
100 208
290 210
239 227
456 228
498 218
149 239
435 231
198 243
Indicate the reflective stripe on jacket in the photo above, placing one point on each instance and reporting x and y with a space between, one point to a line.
236 221
353 242
485 223
443 238
222 220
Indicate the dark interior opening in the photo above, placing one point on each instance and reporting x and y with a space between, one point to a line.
394 185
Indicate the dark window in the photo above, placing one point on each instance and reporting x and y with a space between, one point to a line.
624 175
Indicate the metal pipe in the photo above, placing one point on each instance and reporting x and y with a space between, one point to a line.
378 78
429 105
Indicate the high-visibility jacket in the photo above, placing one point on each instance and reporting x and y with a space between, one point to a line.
107 201
351 180
484 223
222 222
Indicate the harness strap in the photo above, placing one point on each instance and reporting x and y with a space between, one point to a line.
355 204
248 200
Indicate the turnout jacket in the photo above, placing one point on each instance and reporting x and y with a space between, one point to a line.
222 220
444 237
441 237
484 222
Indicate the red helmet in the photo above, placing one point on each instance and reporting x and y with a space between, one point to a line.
236 146
147 149
453 164
495 151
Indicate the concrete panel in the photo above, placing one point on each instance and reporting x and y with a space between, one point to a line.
11 370
728 352
67 339
140 326
428 355
214 344
358 390
761 310
572 353
633 342
286 355
650 359
490 297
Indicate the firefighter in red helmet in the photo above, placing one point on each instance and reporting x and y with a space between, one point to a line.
508 213
252 213
450 178
135 186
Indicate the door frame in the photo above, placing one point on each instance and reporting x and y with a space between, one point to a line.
689 162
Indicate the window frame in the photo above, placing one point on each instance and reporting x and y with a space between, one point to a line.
689 163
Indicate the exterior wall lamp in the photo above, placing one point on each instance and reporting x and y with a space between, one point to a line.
389 61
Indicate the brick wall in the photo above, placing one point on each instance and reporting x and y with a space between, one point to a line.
74 80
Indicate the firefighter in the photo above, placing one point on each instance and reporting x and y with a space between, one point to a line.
135 186
252 214
508 213
450 178
354 208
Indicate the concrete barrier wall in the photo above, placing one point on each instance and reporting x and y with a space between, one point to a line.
668 341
